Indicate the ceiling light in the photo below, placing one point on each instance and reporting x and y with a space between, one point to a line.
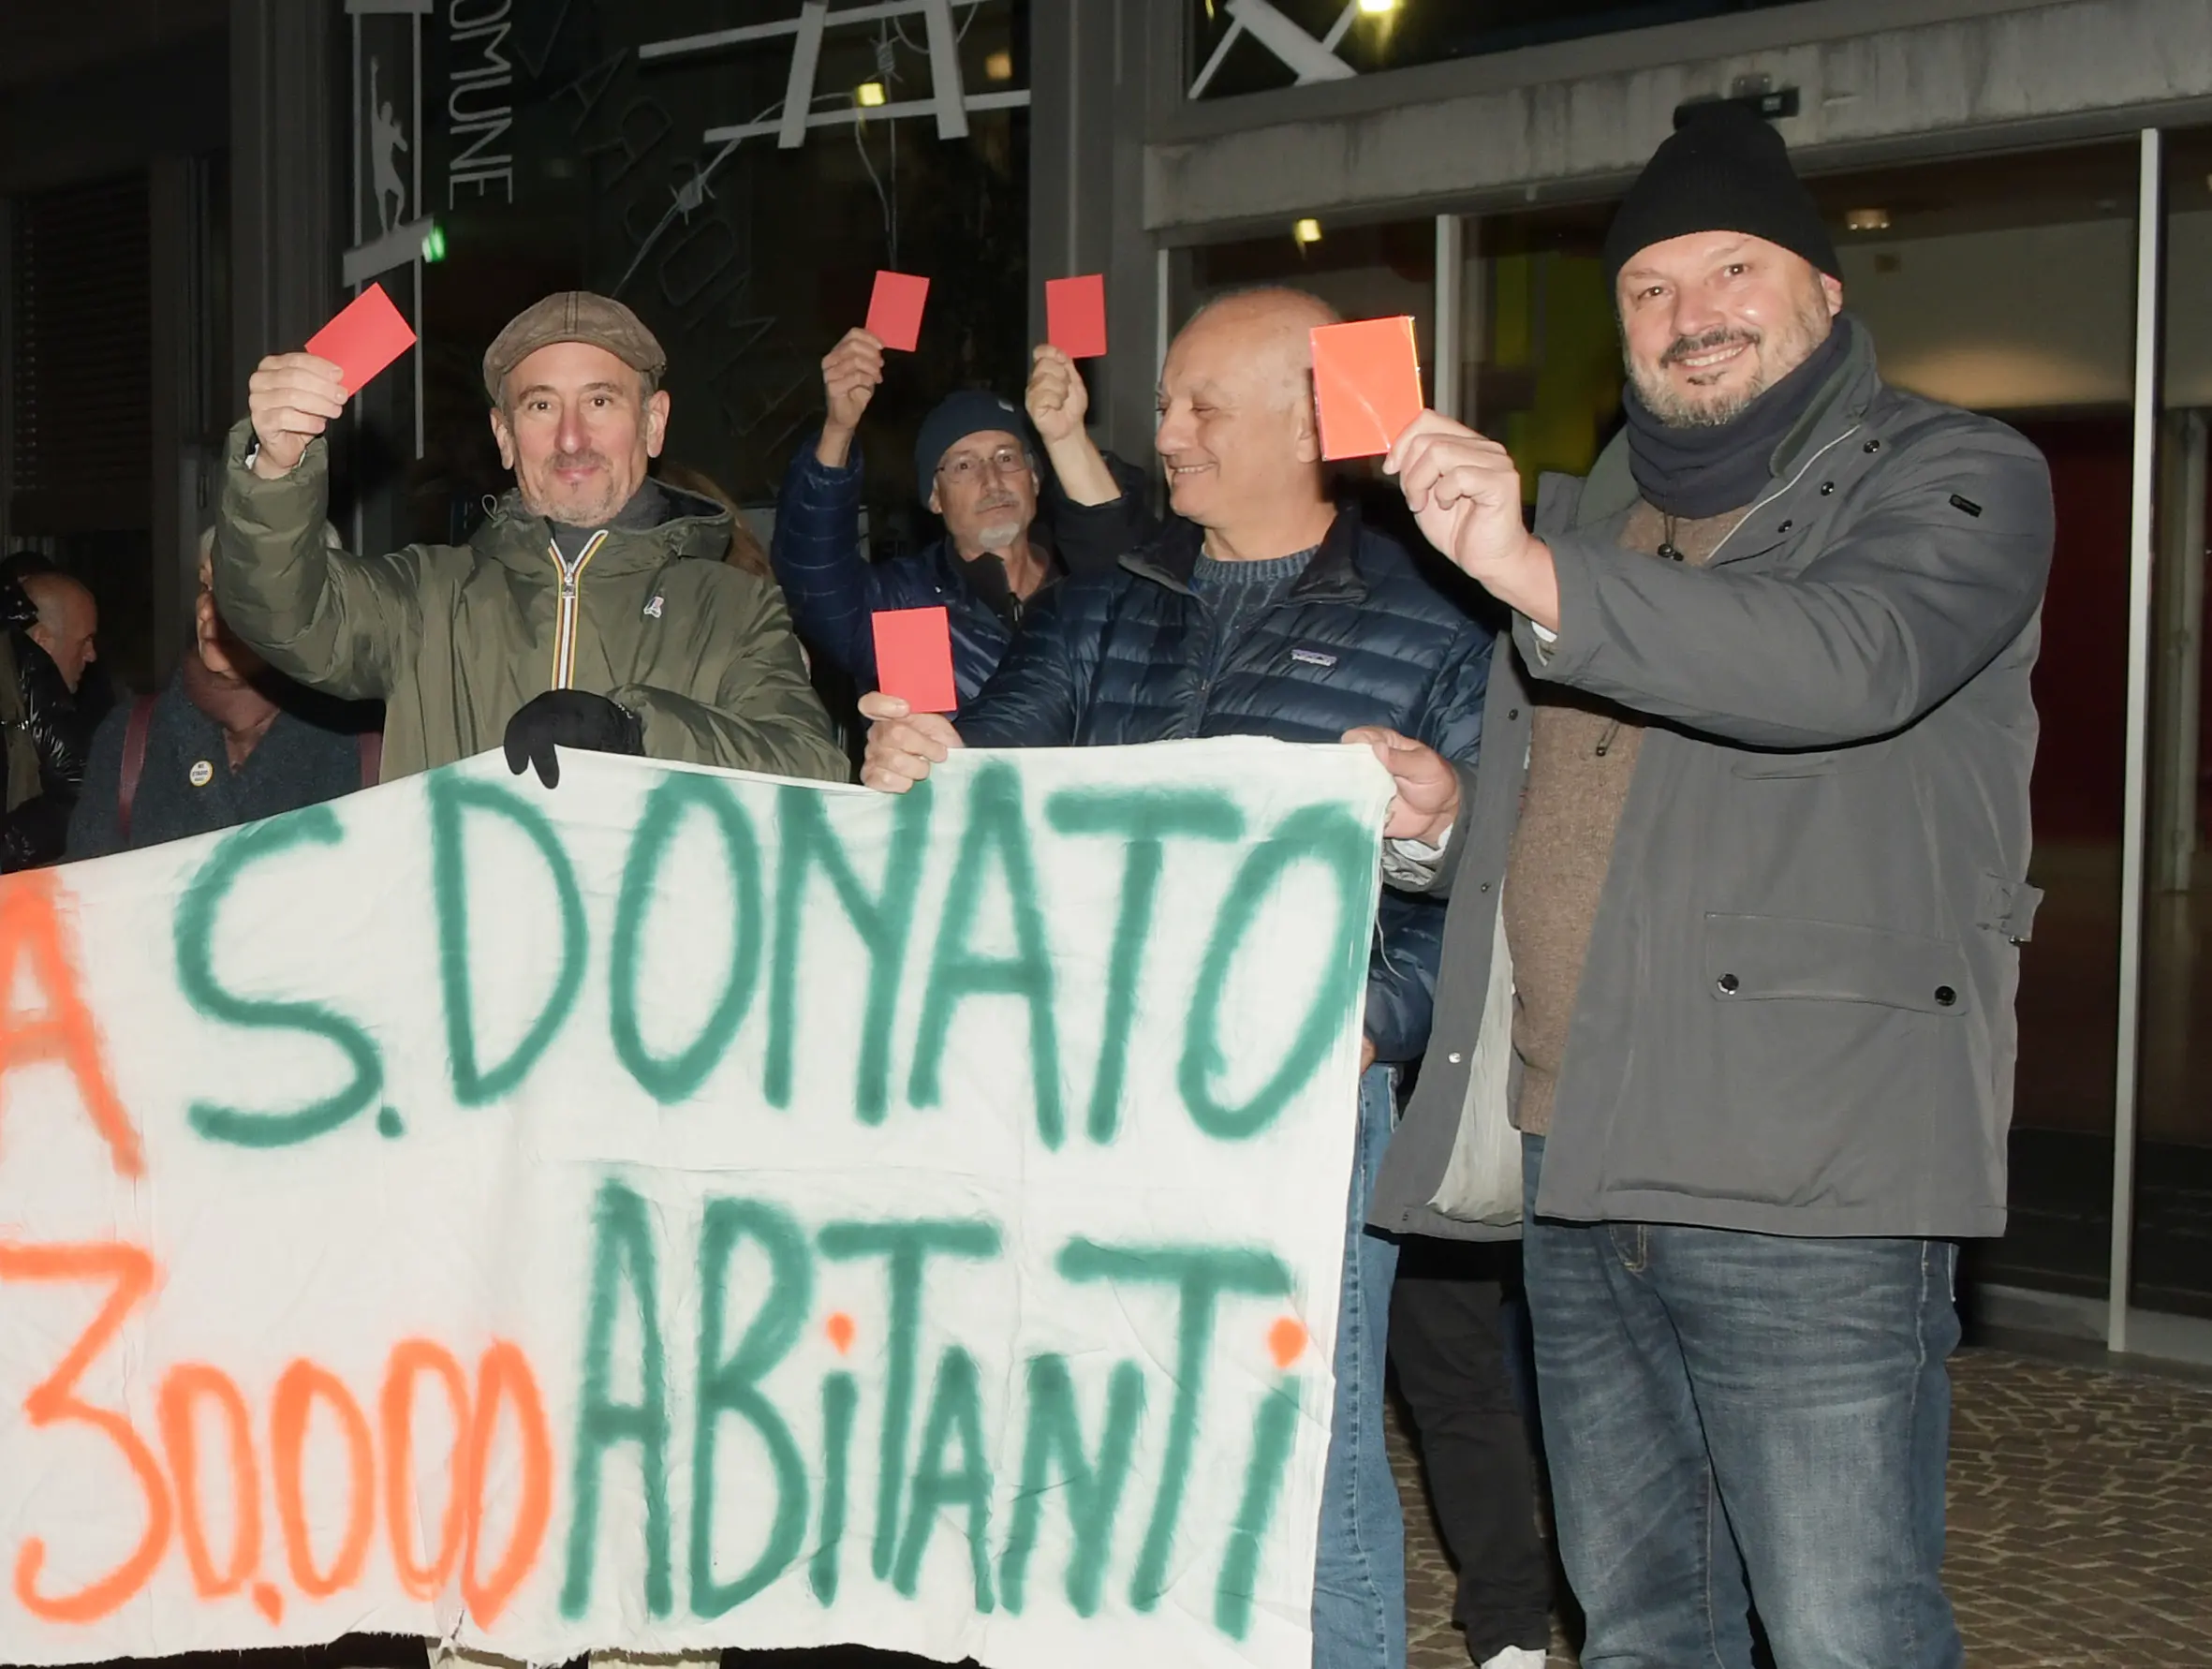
999 66
1307 231
1866 220
869 93
1375 8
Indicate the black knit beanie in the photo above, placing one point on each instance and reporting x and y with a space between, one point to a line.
958 415
1725 169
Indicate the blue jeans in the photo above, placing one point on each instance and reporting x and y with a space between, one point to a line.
1738 1420
1359 1578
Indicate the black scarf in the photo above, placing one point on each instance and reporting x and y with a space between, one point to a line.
648 507
1694 471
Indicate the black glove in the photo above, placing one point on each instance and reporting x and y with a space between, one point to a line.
35 834
569 718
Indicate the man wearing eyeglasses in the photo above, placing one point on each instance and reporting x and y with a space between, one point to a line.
973 468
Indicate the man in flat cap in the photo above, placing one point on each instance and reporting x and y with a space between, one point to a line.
1753 794
571 619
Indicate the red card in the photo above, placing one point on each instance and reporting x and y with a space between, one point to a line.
366 336
1075 316
1366 385
894 311
914 658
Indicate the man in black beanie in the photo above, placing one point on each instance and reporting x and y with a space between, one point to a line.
973 467
1761 882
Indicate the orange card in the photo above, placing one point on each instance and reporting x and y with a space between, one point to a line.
1075 316
914 658
1366 385
367 335
895 310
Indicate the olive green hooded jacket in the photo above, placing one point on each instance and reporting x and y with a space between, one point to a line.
455 638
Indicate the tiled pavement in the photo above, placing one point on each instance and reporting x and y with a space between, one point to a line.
2080 1525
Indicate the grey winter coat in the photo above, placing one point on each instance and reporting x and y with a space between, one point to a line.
1796 1012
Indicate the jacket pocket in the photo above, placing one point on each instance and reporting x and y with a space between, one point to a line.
1755 766
1838 1072
1780 958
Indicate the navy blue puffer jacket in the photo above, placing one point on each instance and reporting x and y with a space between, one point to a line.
1361 637
833 591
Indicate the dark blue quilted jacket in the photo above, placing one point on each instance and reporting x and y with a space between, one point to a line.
1361 637
832 590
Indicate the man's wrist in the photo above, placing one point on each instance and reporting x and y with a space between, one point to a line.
1526 582
834 449
1085 478
262 465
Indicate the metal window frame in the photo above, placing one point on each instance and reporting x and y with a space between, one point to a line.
2127 1076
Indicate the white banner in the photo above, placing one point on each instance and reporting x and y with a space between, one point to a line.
687 1209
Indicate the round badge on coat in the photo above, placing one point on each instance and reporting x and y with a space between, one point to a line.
202 773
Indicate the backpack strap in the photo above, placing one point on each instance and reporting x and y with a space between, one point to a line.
134 762
372 758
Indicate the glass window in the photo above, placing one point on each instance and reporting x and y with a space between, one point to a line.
1926 251
2172 1256
1229 57
1363 271
558 157
1540 347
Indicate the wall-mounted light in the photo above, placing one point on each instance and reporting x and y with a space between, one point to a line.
868 95
999 65
1866 220
1307 231
434 244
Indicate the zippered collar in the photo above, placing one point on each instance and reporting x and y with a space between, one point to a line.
519 540
569 581
954 575
1611 491
1332 575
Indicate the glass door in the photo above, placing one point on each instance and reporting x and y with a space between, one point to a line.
2006 284
2170 1252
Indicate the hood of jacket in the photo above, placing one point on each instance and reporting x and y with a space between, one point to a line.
519 540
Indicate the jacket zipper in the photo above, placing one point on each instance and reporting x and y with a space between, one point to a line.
1667 550
564 667
1803 469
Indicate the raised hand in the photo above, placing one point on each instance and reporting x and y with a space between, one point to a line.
1057 399
1058 402
1465 491
291 397
851 372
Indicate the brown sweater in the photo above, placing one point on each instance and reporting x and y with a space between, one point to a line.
1582 756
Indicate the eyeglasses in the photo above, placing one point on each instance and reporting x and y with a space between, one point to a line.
966 467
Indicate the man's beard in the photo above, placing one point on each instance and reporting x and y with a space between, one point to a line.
1794 345
576 511
999 534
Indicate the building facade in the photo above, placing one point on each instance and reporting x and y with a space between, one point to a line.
2021 195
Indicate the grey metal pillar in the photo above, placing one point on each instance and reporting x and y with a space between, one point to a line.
286 191
184 384
2150 242
1098 71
